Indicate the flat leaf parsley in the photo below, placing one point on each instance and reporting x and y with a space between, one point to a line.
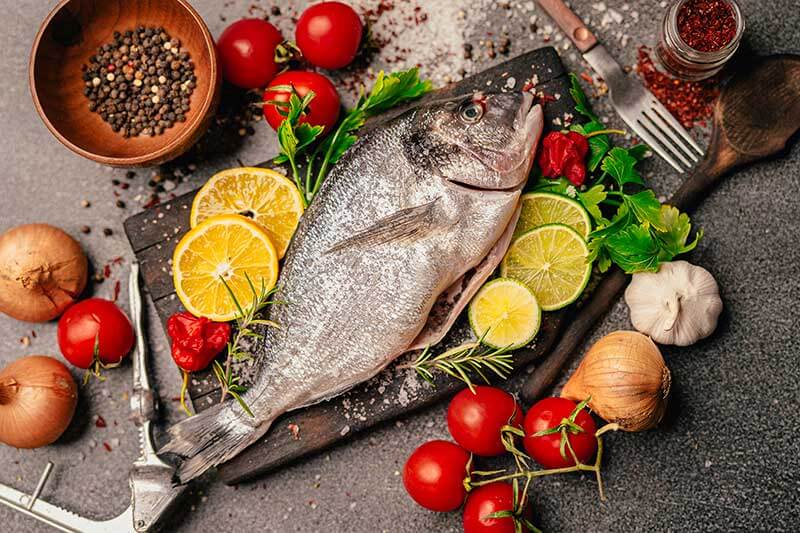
296 139
642 233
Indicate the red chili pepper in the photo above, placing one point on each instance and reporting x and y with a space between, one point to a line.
563 155
196 341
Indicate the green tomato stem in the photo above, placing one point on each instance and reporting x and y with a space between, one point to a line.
604 132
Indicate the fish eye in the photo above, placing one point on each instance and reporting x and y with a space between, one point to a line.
471 112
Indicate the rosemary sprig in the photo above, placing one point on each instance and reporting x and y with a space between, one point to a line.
464 360
245 320
230 385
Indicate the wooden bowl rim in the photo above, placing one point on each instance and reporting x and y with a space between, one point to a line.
142 160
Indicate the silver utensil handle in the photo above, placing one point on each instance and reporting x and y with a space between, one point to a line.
140 377
570 23
59 518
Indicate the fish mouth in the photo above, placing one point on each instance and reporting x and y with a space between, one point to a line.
475 188
524 123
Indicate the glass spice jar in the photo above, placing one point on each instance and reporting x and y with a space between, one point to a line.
713 27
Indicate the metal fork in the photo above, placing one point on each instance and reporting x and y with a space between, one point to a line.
645 115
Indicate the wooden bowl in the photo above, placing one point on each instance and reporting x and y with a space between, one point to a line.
72 33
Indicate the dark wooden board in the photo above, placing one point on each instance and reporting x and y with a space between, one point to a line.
154 233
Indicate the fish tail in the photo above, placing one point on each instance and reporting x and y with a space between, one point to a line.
210 438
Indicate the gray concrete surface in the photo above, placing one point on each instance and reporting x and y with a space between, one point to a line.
725 459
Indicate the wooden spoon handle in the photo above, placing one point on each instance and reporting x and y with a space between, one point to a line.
572 25
690 194
547 371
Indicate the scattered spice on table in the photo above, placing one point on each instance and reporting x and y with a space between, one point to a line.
690 102
141 82
707 25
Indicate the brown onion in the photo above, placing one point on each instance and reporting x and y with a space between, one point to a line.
37 400
626 378
42 271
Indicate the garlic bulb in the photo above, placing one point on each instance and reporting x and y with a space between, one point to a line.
679 304
626 378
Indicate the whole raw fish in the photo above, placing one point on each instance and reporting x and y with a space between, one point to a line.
378 264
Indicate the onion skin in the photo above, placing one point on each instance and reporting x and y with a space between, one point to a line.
37 401
627 379
42 271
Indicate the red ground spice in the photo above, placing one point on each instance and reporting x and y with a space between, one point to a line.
690 102
706 25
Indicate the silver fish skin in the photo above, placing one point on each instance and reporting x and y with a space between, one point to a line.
410 209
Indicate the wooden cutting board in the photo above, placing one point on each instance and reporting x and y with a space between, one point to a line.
154 233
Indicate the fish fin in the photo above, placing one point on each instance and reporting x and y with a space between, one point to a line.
210 438
406 224
455 298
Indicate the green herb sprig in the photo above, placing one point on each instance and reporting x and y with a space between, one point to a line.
296 139
245 320
642 233
460 362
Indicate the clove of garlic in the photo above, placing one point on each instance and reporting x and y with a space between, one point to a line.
680 304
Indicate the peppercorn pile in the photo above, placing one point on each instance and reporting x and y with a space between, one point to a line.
140 83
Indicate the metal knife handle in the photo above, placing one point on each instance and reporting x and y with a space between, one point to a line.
140 377
572 25
143 398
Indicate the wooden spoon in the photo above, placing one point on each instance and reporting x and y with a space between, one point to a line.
756 114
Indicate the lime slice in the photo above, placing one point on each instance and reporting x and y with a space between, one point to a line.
505 313
551 261
540 208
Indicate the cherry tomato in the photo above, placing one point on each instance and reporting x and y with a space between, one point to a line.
247 53
475 419
489 499
329 34
94 321
434 475
548 413
323 110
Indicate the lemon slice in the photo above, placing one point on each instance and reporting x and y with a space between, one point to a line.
263 195
228 247
552 261
505 313
540 208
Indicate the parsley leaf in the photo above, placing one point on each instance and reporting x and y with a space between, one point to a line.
639 151
645 207
620 165
392 90
677 229
634 249
581 102
642 233
599 145
389 91
294 137
591 200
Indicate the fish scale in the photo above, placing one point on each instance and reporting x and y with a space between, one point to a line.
408 211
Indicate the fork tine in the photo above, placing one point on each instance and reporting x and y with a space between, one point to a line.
667 131
655 144
672 121
652 127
